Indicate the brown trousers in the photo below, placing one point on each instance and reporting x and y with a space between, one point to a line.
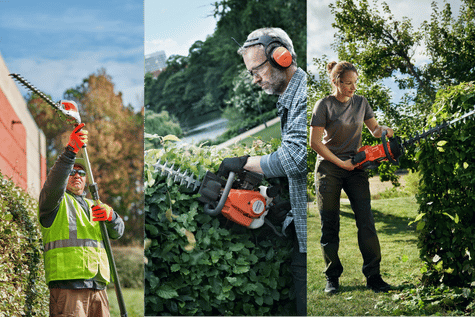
78 303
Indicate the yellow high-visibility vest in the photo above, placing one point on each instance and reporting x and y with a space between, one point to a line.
73 246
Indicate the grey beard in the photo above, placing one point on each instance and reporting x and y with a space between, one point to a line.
277 82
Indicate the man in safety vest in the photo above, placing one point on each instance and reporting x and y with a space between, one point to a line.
76 264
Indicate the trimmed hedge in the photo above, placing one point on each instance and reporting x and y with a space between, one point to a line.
23 290
447 193
129 263
202 265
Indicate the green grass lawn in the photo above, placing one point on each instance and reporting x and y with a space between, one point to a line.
271 132
400 264
134 302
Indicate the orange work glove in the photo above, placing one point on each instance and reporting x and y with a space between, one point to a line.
77 139
102 212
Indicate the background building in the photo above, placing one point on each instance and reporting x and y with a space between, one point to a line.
22 143
155 62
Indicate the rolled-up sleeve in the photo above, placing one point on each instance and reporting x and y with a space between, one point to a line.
271 166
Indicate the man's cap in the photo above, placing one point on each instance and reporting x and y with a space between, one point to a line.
81 162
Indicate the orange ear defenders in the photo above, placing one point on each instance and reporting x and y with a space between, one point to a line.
276 52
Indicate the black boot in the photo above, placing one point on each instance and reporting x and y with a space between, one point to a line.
332 286
377 284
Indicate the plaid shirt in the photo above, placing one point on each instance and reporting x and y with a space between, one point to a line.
290 159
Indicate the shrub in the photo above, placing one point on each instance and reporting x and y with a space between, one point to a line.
410 188
447 194
129 264
412 182
159 124
23 291
203 265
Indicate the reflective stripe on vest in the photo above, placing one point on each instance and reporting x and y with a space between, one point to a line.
74 243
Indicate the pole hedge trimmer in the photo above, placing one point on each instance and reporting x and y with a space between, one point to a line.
370 156
238 198
68 111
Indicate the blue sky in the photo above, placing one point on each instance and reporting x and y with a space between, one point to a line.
56 44
173 26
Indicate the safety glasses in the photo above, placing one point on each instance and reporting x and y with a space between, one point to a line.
255 70
80 172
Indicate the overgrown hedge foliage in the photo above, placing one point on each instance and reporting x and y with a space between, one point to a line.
203 265
23 290
447 193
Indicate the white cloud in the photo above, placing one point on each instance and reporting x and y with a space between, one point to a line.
319 32
173 28
129 81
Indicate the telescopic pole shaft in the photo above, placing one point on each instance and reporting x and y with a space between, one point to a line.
105 237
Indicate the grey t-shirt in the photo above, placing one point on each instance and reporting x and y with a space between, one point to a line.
343 123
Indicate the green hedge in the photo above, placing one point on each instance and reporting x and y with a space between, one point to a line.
23 290
202 265
129 264
447 194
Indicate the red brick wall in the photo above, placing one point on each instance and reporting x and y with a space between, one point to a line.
12 144
43 169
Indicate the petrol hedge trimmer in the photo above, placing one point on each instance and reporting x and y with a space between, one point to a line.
68 111
239 198
371 156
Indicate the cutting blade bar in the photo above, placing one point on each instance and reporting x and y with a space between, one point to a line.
435 130
179 177
25 83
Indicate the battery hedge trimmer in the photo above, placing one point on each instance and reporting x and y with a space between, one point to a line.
238 198
68 111
391 150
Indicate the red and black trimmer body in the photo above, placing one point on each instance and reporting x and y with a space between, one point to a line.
236 197
369 157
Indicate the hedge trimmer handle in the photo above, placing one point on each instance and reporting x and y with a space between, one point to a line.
227 188
386 150
370 156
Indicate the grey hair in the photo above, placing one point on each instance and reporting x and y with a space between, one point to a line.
274 32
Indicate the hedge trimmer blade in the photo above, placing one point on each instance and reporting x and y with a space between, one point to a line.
67 110
437 129
23 81
181 178
425 134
